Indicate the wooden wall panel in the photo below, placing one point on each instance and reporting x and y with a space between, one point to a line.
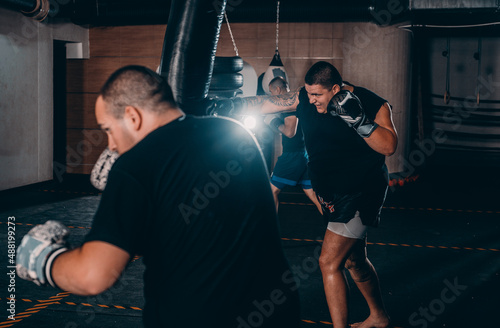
83 148
80 111
127 41
105 42
75 75
149 62
143 41
240 31
88 76
300 45
110 49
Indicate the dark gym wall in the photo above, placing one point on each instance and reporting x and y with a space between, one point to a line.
470 120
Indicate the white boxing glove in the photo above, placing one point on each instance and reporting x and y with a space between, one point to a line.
100 171
38 250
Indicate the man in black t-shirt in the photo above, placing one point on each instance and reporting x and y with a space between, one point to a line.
348 131
291 167
191 196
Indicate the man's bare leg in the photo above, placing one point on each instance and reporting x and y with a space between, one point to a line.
334 253
364 275
312 196
276 192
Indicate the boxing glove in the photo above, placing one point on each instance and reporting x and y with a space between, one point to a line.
274 121
38 250
100 171
229 107
348 107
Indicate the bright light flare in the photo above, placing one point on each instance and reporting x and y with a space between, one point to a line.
249 122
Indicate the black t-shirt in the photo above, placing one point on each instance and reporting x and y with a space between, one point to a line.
295 143
193 198
340 161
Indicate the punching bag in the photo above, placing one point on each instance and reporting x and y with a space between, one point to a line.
275 69
189 49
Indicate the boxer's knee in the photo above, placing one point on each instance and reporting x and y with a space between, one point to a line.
329 263
275 190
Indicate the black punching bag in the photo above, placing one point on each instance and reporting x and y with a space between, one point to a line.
189 50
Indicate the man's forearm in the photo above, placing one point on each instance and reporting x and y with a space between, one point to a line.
384 138
273 104
289 129
383 141
89 269
68 272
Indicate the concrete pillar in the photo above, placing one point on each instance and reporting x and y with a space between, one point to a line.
378 58
26 95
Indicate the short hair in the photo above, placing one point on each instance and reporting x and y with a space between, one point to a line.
324 74
278 82
137 86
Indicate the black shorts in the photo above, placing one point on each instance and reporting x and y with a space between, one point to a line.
291 169
343 207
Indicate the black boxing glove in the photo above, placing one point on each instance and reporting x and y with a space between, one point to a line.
274 121
229 107
348 107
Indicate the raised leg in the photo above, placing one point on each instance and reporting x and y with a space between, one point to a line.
276 192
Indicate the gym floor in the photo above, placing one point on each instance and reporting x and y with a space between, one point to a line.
437 254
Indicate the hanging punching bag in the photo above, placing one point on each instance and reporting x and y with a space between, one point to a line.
275 69
189 50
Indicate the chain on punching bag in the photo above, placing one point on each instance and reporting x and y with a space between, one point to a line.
276 68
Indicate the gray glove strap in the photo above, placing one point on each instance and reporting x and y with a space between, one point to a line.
366 128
